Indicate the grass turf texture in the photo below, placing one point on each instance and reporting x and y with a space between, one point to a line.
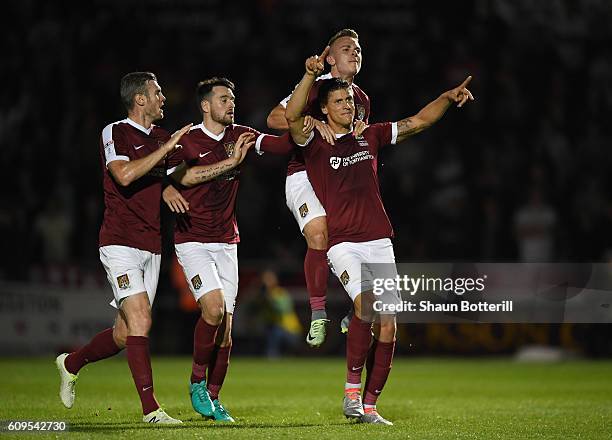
301 398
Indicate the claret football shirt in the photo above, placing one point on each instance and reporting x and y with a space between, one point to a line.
132 213
345 179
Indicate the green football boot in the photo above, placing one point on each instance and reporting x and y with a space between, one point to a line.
220 414
200 399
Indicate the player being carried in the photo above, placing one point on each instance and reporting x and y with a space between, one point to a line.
206 235
345 180
345 58
133 153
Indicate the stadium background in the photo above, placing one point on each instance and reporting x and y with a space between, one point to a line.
534 143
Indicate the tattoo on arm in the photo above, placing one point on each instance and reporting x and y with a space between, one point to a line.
211 172
407 127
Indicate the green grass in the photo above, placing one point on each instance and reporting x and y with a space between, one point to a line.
301 398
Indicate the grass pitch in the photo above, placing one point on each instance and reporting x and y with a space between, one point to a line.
301 398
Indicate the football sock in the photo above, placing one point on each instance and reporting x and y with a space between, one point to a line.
370 362
357 345
316 272
352 388
369 408
100 347
382 366
203 347
217 370
139 361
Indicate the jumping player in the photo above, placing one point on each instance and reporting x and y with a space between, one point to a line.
345 60
344 178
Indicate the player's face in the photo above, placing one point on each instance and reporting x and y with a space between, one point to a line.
222 104
345 54
340 107
154 101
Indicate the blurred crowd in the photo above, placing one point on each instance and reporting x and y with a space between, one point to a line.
520 174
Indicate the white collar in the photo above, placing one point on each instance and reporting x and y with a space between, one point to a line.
211 134
138 126
339 135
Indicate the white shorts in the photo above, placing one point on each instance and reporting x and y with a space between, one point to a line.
210 266
130 271
357 265
302 200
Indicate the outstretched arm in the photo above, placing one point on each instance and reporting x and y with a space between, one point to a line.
433 111
125 172
299 97
190 176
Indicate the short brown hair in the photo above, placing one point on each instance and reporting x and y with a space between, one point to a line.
343 33
328 86
205 87
132 84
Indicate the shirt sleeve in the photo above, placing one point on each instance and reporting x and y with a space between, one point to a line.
114 145
381 135
308 141
267 143
311 102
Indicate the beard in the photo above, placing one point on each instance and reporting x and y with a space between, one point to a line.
222 118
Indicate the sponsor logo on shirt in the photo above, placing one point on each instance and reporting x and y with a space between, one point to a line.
123 281
196 282
335 162
204 154
345 278
304 210
138 147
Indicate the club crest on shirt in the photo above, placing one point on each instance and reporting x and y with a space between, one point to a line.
360 110
123 281
196 282
345 278
304 210
229 148
335 162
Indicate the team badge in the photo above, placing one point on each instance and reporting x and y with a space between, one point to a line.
196 282
335 162
360 111
344 278
304 210
123 281
229 148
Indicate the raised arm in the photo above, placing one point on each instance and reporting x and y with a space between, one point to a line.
190 176
433 111
299 97
125 172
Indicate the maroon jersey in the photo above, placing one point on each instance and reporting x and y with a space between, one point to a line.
212 215
345 179
362 113
131 213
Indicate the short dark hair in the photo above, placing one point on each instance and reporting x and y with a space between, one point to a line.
204 88
132 84
343 33
328 86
